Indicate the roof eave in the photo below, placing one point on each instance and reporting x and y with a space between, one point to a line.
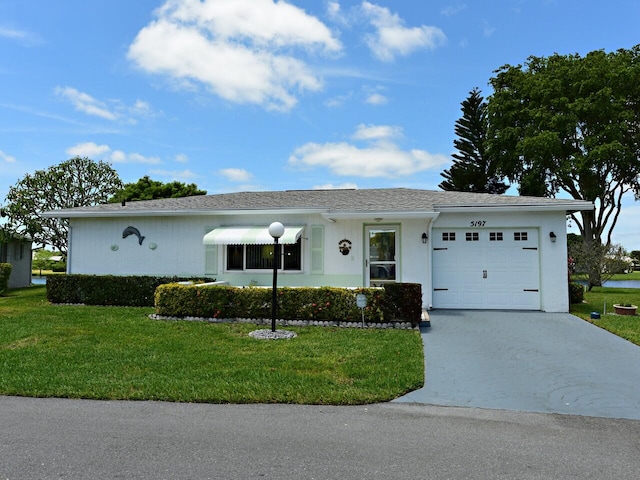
174 213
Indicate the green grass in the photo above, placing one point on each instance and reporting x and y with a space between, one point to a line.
622 325
626 276
119 353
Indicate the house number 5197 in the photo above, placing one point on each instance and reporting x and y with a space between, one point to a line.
477 223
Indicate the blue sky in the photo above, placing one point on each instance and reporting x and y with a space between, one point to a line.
240 95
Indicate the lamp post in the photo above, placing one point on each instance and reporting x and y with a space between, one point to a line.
276 230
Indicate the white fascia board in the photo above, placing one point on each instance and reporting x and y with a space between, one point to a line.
378 216
123 212
556 207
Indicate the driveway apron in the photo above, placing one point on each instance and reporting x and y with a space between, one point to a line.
528 361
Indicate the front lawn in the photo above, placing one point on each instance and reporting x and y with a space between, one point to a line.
601 299
119 353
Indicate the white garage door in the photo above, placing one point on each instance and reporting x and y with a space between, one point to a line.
486 269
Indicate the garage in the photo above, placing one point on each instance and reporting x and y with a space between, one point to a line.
486 268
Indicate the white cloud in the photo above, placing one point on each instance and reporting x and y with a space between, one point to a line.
235 174
181 158
104 152
380 157
113 110
335 13
338 100
241 50
141 109
377 132
138 158
85 103
178 175
376 99
487 28
118 156
451 10
331 186
89 149
26 38
6 157
392 38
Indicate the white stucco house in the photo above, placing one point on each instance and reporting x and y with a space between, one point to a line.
467 250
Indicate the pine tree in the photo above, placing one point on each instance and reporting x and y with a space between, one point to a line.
472 169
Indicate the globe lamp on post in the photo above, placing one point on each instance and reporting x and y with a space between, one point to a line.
276 230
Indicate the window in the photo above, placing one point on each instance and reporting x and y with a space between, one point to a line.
448 236
260 257
495 236
520 236
472 236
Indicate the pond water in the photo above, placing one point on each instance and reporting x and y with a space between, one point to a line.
619 283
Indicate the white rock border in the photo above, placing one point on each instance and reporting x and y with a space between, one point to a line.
267 334
293 323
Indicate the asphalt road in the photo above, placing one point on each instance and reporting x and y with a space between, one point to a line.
81 439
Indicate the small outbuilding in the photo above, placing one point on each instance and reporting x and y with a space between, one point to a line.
16 250
467 250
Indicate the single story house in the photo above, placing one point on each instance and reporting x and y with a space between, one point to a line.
467 250
17 252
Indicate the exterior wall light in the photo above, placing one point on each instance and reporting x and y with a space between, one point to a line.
276 230
424 237
552 237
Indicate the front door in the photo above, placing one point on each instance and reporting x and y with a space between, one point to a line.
381 255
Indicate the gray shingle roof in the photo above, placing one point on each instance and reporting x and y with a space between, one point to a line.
331 201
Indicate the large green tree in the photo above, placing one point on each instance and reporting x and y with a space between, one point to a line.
473 169
148 189
78 182
567 123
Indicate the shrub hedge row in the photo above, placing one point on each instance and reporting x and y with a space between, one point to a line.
401 302
130 291
5 273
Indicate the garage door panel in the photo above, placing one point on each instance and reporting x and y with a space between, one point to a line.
493 271
473 299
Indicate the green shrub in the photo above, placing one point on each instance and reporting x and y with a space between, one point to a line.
131 291
576 292
58 267
403 301
400 303
5 273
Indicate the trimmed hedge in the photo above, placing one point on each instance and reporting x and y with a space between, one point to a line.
5 273
576 292
129 291
393 303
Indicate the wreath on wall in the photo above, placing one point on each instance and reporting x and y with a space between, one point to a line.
344 246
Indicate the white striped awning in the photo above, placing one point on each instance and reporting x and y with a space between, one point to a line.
249 236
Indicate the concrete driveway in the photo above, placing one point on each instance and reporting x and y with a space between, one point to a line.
528 361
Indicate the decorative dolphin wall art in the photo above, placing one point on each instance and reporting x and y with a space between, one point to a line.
132 231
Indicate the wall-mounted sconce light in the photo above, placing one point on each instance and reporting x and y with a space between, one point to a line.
424 238
552 237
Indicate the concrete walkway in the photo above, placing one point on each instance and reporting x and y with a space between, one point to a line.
528 361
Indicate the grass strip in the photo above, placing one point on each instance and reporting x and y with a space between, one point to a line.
601 299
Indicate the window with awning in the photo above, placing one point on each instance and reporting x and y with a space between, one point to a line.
250 236
251 248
